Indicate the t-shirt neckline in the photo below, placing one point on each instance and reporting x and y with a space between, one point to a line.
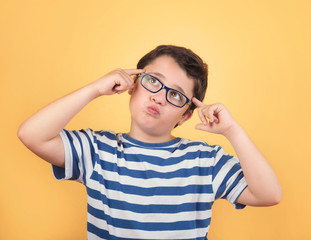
146 144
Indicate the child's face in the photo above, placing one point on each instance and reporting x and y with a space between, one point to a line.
151 113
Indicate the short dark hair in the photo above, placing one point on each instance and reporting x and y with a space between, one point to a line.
191 63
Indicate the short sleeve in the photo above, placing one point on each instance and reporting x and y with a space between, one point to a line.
78 156
228 178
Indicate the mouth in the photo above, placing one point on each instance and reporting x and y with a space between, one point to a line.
153 110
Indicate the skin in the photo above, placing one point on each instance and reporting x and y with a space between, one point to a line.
264 188
148 126
153 119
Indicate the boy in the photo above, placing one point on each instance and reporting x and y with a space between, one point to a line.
148 184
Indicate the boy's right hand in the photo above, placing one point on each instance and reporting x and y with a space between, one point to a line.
117 81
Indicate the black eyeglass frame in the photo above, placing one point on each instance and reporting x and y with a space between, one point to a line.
142 75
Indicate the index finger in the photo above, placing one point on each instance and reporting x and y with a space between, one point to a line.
134 71
197 102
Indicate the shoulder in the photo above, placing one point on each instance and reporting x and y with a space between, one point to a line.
199 146
198 143
104 134
91 136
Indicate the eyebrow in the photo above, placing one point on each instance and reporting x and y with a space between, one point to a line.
160 75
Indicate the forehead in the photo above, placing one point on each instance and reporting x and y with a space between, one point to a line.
171 74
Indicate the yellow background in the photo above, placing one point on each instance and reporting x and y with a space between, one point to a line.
259 66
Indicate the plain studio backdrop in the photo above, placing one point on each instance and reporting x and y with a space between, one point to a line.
259 66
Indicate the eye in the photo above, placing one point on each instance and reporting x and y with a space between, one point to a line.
151 80
176 95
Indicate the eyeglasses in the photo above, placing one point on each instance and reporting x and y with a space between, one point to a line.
154 85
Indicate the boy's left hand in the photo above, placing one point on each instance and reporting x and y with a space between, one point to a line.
215 118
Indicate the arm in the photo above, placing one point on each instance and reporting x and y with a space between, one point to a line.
40 133
263 188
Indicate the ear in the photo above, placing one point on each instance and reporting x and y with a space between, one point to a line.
185 117
131 90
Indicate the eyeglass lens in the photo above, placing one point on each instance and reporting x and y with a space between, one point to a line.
154 85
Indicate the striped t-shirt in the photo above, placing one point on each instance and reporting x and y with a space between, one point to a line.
138 190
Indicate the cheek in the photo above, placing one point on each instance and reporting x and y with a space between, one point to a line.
138 91
173 114
137 99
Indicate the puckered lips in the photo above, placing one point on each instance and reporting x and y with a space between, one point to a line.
153 110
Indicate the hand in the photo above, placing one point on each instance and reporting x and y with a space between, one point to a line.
117 81
215 118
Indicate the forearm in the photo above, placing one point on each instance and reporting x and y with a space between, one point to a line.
50 120
263 188
260 177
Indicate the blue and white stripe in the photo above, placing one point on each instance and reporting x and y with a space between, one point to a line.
142 190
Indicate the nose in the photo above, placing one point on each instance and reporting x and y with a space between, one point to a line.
159 97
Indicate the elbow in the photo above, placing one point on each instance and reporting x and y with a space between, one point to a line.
276 197
278 194
23 135
269 199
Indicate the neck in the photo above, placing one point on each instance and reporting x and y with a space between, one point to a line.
147 137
